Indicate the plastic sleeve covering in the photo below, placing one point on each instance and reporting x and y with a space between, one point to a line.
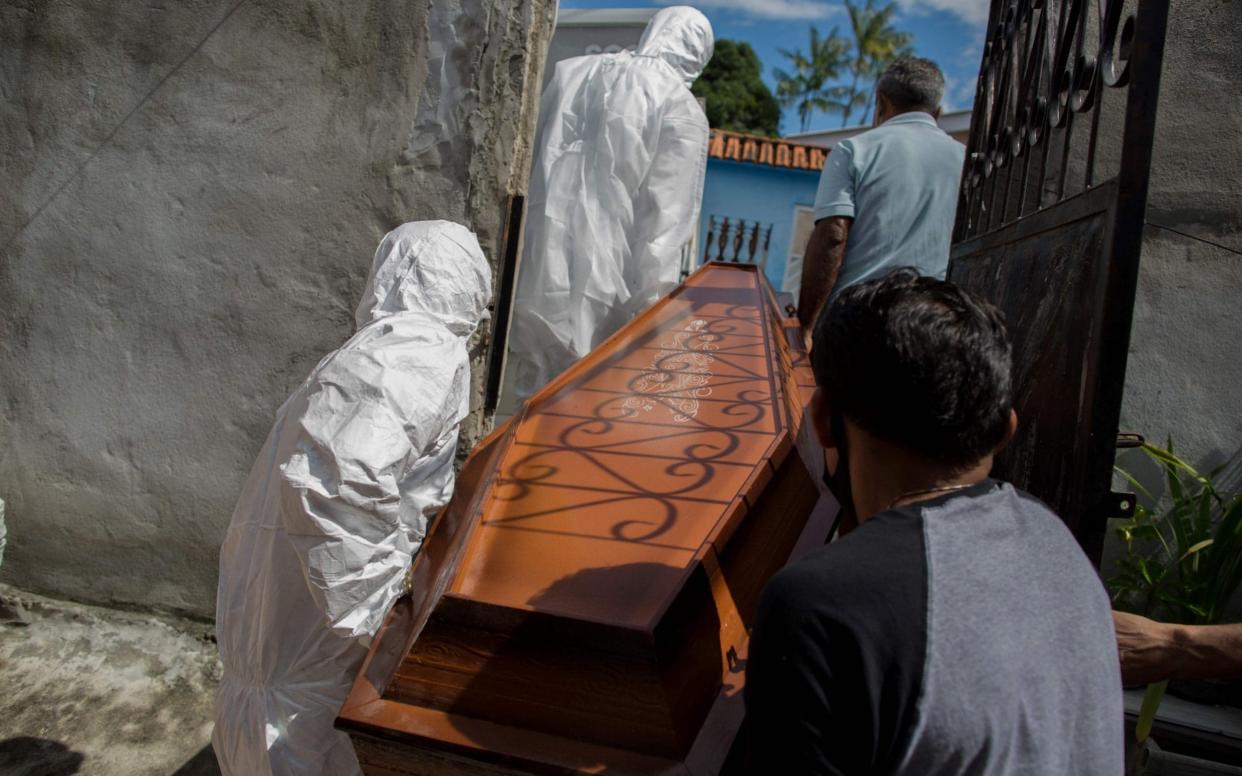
354 534
668 205
336 506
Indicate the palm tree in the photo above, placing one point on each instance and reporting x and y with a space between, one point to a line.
810 87
876 43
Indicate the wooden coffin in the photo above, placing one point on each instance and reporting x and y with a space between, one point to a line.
582 605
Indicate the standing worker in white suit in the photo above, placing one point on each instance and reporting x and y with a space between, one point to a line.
615 193
337 504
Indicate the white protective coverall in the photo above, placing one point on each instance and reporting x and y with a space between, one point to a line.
615 192
337 504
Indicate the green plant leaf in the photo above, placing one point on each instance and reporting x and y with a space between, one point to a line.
1152 571
1196 609
1196 548
1147 712
1183 554
1203 513
1134 483
1171 463
1175 518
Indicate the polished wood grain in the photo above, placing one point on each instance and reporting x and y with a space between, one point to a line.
583 603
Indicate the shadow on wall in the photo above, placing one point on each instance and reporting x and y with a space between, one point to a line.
26 756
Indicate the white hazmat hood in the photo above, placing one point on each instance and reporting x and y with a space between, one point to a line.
682 37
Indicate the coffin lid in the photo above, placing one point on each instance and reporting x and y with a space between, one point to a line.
641 454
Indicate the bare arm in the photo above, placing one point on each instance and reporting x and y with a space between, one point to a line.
1153 651
820 266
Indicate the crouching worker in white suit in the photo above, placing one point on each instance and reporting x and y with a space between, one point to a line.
337 504
615 193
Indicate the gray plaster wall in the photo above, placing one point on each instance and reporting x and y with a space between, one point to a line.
1184 375
190 195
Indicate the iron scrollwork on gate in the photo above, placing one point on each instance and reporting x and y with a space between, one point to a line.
1048 68
1049 226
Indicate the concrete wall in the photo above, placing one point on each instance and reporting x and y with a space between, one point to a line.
191 196
1184 375
1184 372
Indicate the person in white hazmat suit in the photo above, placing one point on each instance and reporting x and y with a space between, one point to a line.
336 506
621 150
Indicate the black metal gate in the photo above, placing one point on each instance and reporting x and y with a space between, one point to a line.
1050 224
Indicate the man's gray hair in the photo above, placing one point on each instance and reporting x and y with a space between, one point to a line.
912 83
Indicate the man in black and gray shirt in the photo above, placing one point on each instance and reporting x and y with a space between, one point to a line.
959 629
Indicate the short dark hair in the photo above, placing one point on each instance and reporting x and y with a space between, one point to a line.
919 362
912 83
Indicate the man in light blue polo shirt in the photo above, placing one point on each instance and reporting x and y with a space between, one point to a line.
887 196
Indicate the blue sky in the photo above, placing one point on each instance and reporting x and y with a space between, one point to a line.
950 32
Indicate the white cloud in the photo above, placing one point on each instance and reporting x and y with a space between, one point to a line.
959 93
969 11
769 9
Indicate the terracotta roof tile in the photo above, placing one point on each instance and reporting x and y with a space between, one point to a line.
772 151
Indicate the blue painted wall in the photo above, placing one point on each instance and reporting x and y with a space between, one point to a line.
758 193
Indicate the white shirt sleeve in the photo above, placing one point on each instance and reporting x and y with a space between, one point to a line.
835 196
